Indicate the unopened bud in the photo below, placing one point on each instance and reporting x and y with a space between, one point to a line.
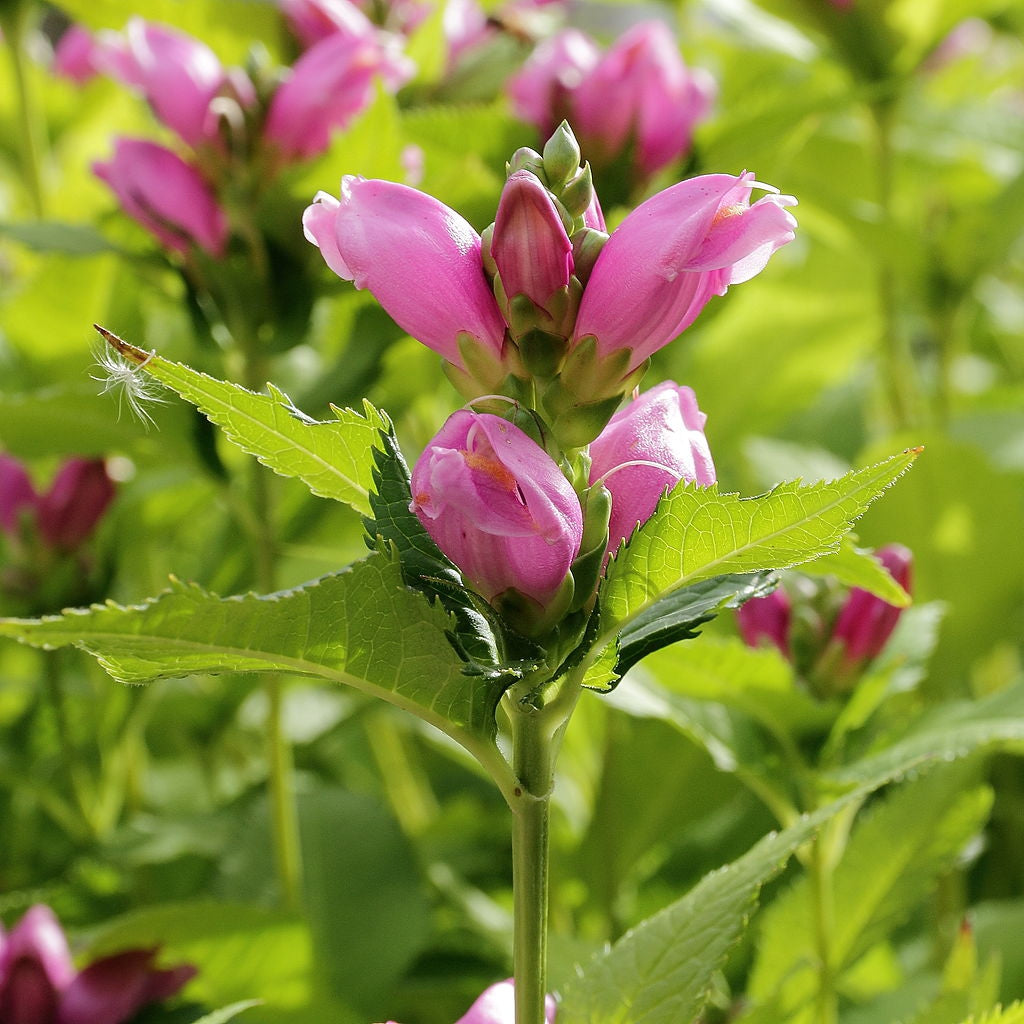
561 156
586 247
526 159
486 238
577 196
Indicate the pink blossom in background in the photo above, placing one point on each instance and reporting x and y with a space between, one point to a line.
167 196
663 430
767 620
498 506
40 985
420 259
637 97
179 76
330 84
16 493
314 20
76 55
674 252
496 1005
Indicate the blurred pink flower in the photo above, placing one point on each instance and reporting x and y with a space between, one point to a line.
662 432
496 1005
76 55
766 620
165 195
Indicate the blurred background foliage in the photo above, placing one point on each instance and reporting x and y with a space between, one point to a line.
895 319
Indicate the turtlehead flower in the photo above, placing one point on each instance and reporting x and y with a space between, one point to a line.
645 450
499 507
17 495
420 259
672 254
76 55
638 98
329 85
39 983
167 196
179 76
314 20
766 621
496 1005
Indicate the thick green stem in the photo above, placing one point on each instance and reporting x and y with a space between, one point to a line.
32 126
827 1000
533 748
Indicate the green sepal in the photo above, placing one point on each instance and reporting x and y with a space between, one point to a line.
586 567
580 425
528 616
542 352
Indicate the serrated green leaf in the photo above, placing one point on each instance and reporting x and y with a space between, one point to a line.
226 1013
677 616
333 458
893 859
697 533
51 236
1011 1015
362 627
858 567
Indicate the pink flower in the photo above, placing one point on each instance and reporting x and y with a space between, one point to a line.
329 85
865 621
16 493
672 254
419 258
39 984
639 97
314 20
178 76
79 495
662 431
76 55
165 195
530 247
766 620
496 1005
498 506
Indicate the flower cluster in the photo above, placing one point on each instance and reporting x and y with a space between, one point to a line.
637 99
40 985
222 115
546 323
830 643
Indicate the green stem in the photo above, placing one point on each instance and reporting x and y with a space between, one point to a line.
824 925
533 750
32 126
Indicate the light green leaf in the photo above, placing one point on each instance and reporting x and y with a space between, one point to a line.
226 1013
333 458
893 859
361 627
697 533
858 567
1011 1015
52 236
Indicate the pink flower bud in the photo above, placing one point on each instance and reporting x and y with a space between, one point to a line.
329 85
313 20
420 259
766 619
498 506
672 254
641 95
35 967
541 91
663 430
113 990
530 246
497 1005
16 493
178 75
865 621
165 195
75 503
76 55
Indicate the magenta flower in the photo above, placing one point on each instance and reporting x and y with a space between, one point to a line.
498 506
646 449
314 20
77 55
79 495
420 259
637 98
16 493
766 620
530 247
329 85
672 254
39 983
865 621
178 76
165 195
496 1005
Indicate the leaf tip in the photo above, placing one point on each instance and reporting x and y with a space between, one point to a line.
126 349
